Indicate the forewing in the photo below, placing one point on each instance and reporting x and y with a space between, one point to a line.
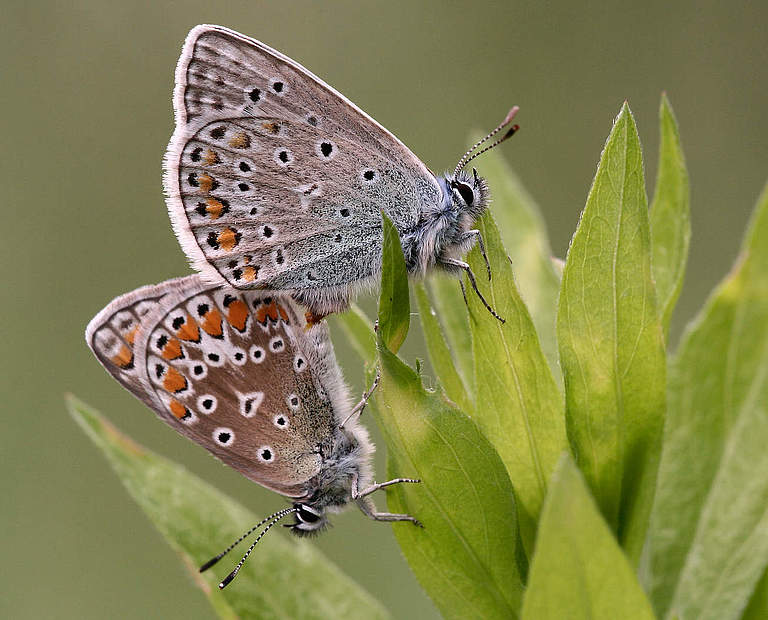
231 370
274 179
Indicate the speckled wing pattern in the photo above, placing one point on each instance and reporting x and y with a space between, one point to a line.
275 180
235 371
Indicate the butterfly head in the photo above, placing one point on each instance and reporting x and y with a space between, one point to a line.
469 193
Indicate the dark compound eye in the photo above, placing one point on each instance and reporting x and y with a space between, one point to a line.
306 516
465 191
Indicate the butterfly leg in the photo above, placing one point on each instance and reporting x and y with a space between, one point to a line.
481 244
358 408
381 485
368 508
452 262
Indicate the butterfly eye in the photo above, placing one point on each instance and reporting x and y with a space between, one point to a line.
306 514
467 195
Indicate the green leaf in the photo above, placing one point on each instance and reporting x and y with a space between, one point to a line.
454 318
518 404
358 329
709 536
757 609
394 304
439 353
611 342
670 216
578 570
525 236
283 579
465 557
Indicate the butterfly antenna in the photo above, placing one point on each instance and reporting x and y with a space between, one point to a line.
278 515
213 561
465 159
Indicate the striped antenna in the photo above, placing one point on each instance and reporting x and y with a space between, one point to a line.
467 157
279 514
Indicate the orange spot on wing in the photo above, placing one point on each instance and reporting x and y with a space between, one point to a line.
178 410
214 208
250 273
237 314
174 381
271 127
189 330
240 140
124 358
267 311
130 337
172 350
205 181
211 157
212 323
228 239
283 313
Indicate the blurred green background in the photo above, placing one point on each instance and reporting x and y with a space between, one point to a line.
86 114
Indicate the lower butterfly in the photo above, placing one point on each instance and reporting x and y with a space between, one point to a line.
241 374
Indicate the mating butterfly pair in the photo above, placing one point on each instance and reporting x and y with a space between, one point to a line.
276 184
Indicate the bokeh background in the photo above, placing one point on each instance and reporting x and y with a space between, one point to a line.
85 114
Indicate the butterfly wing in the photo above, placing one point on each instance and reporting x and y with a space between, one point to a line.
274 179
234 371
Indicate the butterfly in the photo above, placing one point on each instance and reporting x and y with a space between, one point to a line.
275 181
243 375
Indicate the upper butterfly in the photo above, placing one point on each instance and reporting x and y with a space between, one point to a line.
276 181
